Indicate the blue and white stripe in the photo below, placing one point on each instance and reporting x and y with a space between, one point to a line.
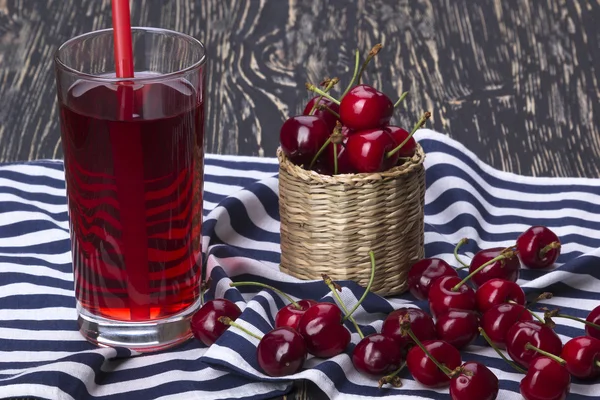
42 354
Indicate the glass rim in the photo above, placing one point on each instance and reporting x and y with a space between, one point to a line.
154 78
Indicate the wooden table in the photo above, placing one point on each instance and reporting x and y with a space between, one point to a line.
518 82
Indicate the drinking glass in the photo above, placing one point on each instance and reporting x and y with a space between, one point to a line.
134 164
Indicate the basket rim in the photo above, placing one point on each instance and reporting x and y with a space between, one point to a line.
413 163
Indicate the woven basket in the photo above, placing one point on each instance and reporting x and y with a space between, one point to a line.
329 223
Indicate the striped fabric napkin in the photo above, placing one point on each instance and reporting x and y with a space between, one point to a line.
42 354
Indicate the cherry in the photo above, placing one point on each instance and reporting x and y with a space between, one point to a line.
329 118
302 136
538 247
425 370
322 329
458 328
367 150
344 166
582 357
364 107
506 268
594 318
422 274
443 298
421 324
475 381
205 323
281 351
535 333
546 379
377 355
498 291
400 135
500 318
290 315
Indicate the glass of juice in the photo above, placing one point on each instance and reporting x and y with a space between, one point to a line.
134 163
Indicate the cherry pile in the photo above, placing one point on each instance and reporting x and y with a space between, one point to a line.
351 134
429 345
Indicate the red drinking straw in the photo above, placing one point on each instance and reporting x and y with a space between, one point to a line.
128 165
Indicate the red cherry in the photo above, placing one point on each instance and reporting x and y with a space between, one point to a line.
422 274
582 357
205 323
376 355
322 329
458 328
424 370
301 138
533 332
290 315
281 352
443 299
399 135
364 107
344 165
500 318
498 291
546 379
507 269
475 381
421 324
325 115
594 318
530 244
367 150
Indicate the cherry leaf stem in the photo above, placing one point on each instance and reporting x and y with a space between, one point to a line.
351 83
502 256
315 89
370 56
546 249
321 150
330 84
458 246
583 321
329 282
228 321
329 110
512 364
279 292
556 358
438 364
367 289
418 125
392 378
401 99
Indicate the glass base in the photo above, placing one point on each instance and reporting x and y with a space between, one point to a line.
143 337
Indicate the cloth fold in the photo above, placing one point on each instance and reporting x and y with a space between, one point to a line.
42 354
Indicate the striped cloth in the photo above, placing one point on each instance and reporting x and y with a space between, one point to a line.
42 354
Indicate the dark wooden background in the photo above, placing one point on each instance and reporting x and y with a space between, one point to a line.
516 81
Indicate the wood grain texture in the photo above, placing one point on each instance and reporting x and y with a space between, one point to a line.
516 81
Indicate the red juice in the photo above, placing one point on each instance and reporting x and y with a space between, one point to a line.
134 189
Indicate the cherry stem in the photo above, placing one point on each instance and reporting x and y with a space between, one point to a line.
502 256
330 84
294 303
401 99
326 108
419 124
315 89
458 246
329 282
392 378
556 358
438 364
321 150
335 160
512 364
533 314
356 62
583 321
368 288
228 321
370 56
546 249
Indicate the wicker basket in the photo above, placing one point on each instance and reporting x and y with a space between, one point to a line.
329 223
